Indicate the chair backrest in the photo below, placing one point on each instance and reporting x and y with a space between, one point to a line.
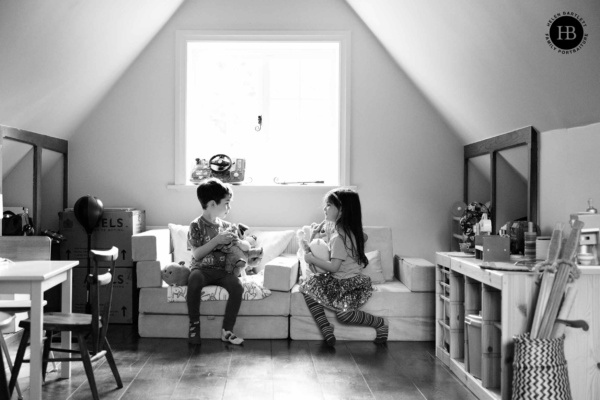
5 321
25 248
101 302
22 248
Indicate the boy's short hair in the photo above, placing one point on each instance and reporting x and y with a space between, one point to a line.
212 189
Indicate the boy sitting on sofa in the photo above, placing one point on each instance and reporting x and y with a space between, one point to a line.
207 235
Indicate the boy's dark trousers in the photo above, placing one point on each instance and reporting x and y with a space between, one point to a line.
200 278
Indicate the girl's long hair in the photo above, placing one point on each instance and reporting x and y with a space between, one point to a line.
349 222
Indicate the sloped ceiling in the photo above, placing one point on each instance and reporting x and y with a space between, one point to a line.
59 58
486 66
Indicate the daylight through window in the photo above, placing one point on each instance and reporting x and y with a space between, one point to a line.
294 86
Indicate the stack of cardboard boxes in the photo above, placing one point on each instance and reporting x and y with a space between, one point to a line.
115 228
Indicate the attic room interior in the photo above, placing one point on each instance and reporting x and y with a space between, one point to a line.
444 112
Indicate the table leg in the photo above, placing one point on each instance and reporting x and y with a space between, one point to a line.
37 298
65 340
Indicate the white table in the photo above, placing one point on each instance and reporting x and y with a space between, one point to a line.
34 278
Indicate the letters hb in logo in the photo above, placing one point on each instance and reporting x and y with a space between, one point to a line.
566 32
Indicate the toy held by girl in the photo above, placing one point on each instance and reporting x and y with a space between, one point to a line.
343 288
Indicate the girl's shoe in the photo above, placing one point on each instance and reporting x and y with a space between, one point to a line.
329 336
194 333
381 334
228 336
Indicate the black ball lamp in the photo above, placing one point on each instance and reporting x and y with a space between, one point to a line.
88 211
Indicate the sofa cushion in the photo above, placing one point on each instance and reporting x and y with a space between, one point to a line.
380 238
252 291
400 329
272 242
154 301
374 269
176 326
281 273
416 273
150 245
390 299
149 272
179 240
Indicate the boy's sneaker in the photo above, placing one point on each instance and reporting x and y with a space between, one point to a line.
194 333
228 336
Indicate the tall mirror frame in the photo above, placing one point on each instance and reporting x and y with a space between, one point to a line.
528 137
39 143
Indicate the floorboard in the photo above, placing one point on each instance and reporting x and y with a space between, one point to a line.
157 369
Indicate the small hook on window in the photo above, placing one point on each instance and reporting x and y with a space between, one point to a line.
259 126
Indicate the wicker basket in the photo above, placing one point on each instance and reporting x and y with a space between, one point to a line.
540 369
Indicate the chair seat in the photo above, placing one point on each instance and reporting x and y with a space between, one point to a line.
55 321
5 320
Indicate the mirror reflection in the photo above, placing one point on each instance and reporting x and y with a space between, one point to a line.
17 173
511 185
479 185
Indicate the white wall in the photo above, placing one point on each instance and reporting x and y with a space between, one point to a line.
569 165
59 58
486 65
405 160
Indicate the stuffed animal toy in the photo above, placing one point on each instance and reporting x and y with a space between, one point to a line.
317 246
323 230
236 252
255 254
320 249
175 274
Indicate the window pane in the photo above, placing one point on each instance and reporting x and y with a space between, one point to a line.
293 86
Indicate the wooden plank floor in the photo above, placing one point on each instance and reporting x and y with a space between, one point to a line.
157 369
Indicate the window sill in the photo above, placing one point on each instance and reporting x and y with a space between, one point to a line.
264 188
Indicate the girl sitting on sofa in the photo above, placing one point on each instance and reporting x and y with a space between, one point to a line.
343 288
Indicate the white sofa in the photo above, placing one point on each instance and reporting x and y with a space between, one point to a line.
284 313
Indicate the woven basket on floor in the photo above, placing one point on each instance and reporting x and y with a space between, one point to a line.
540 369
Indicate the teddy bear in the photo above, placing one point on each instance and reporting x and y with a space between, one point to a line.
317 245
255 254
323 230
175 274
244 249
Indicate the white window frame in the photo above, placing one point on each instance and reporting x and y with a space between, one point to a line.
182 170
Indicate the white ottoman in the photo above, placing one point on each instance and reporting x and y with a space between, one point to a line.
281 273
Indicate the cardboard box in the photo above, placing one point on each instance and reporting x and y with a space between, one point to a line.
123 307
493 248
115 228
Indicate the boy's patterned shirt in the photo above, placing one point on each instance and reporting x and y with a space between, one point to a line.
201 232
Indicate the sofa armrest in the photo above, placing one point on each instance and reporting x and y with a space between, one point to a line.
417 274
151 245
281 273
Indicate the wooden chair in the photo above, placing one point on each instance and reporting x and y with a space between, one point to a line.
25 248
6 320
4 393
19 248
92 327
